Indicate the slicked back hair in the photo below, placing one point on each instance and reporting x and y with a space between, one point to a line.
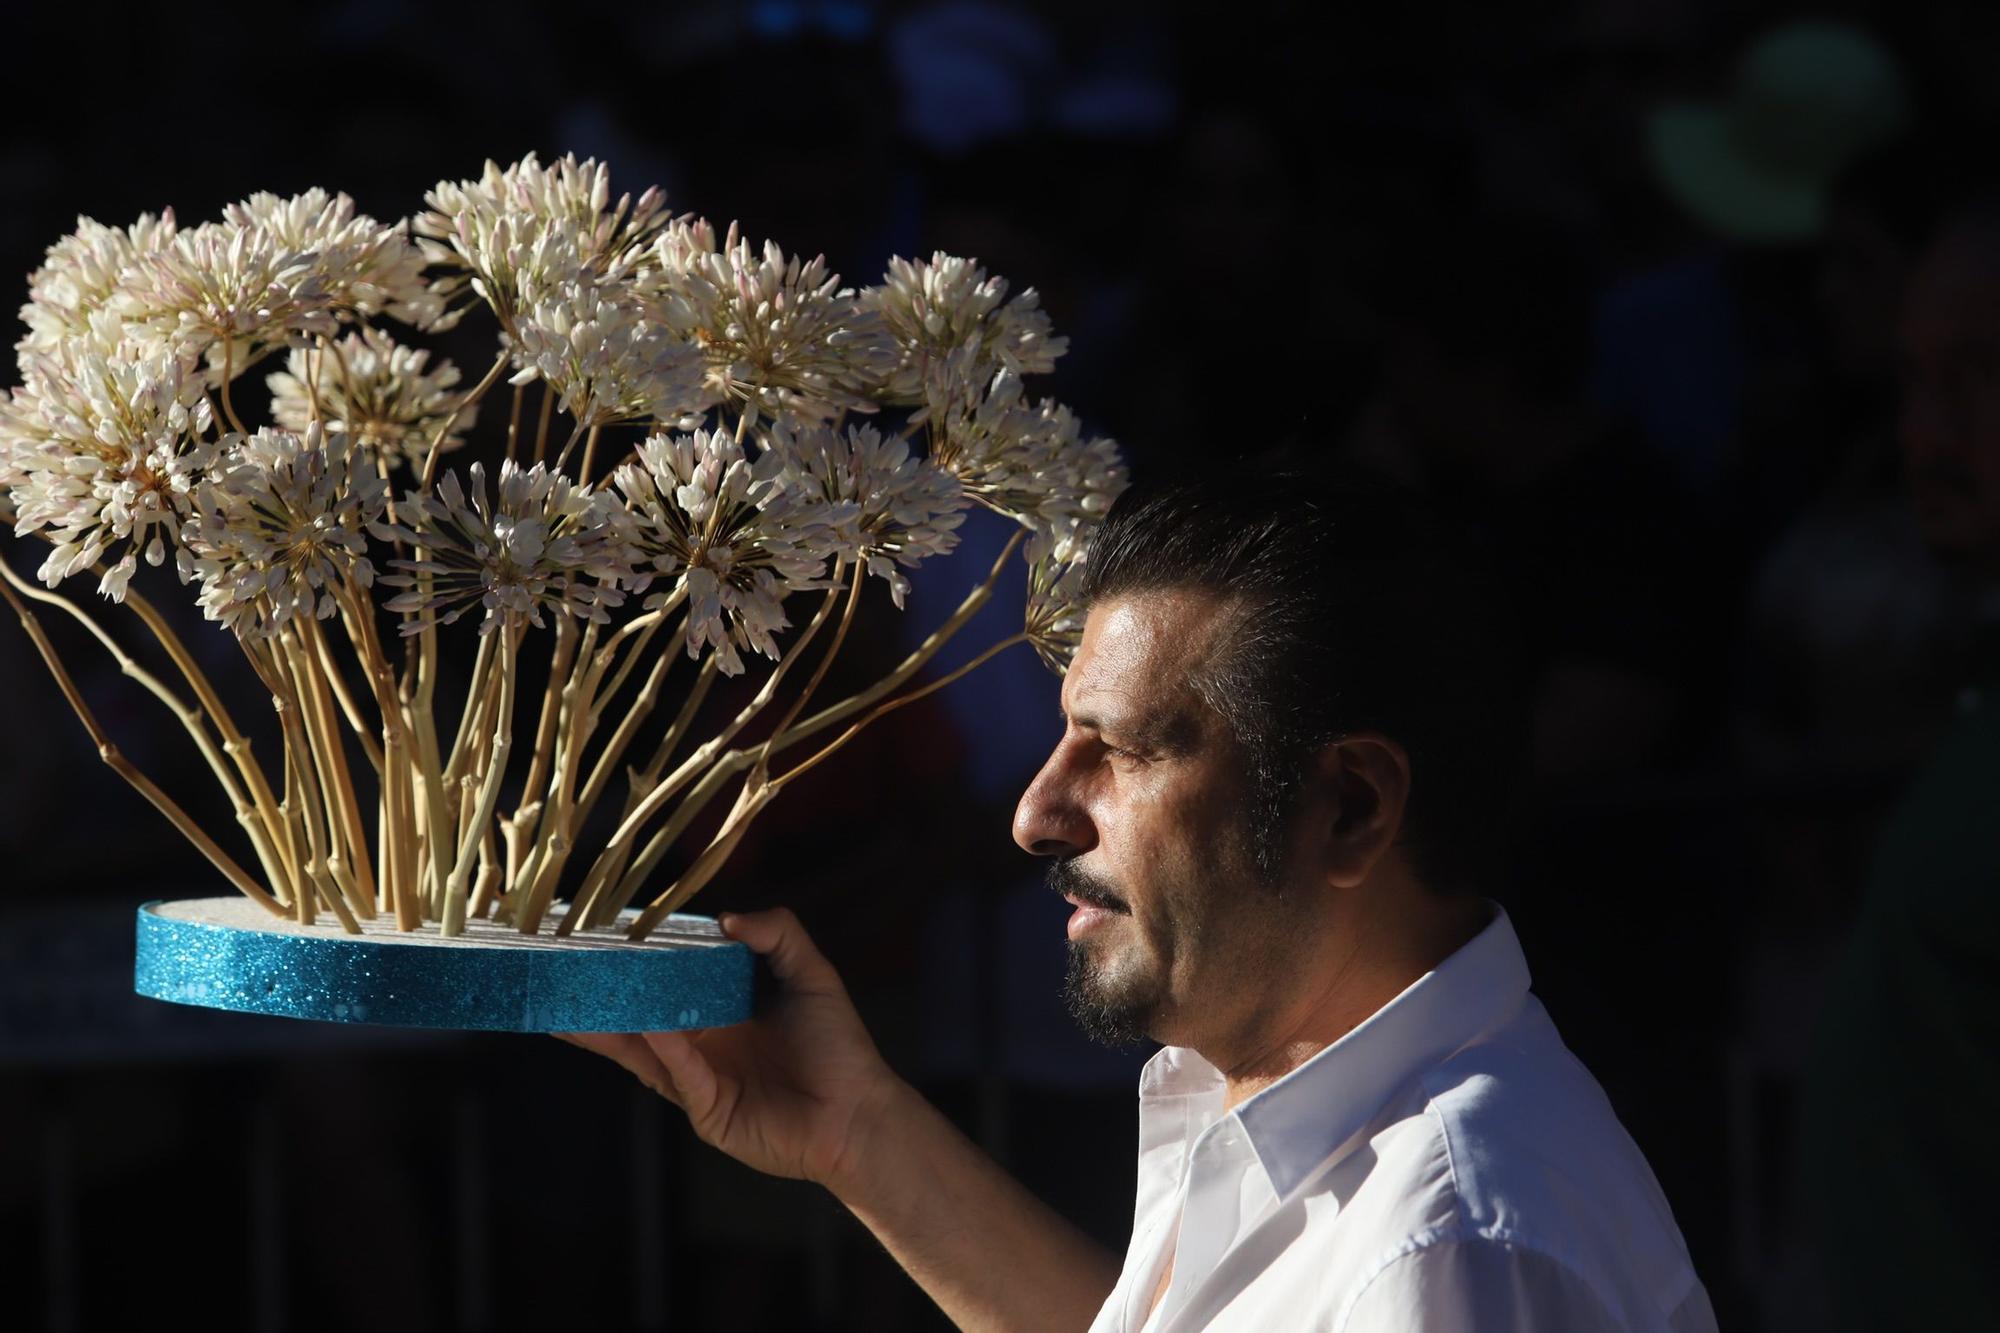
1354 609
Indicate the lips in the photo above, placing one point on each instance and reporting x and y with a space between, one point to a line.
1081 889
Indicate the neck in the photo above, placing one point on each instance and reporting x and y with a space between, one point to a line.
1388 941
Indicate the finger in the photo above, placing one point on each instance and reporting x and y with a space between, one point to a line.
629 1051
778 935
683 1064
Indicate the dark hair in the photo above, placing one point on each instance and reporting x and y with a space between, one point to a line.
1356 608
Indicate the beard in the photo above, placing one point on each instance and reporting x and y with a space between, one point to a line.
1109 1015
1112 1010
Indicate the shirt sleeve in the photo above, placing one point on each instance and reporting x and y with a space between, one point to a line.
1476 1285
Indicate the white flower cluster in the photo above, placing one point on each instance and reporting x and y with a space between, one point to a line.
721 525
906 507
950 306
537 542
1028 461
279 527
271 273
377 391
1054 621
102 448
517 234
629 315
606 359
778 336
80 274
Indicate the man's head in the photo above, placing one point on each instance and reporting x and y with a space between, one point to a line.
1289 688
1950 424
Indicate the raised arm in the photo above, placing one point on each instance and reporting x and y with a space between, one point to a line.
802 1092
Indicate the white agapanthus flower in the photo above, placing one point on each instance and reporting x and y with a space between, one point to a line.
537 542
709 518
514 234
778 335
906 507
1055 619
609 362
364 265
104 448
80 274
279 526
226 292
377 391
946 305
1028 461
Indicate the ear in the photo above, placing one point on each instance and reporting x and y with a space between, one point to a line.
1365 780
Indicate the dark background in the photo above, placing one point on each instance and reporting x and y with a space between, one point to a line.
1426 235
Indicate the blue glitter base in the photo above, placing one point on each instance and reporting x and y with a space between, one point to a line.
215 953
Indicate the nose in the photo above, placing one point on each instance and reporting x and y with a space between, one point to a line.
1050 819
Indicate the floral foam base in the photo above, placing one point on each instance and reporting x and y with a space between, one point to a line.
229 953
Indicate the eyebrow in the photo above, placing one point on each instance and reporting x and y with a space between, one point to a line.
1168 733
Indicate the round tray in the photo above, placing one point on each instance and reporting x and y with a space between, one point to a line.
229 953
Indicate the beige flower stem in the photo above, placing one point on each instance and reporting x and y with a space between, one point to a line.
332 758
476 702
270 673
552 843
629 880
430 771
645 627
562 816
234 743
229 373
453 922
345 848
542 423
882 710
489 874
751 801
605 907
190 718
628 727
471 396
589 454
562 823
398 861
350 708
656 799
643 779
587 911
711 860
514 422
521 826
291 711
562 454
974 602
763 761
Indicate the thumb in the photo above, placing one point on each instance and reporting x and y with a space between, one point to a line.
688 1071
778 936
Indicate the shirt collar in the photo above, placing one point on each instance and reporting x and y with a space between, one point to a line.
1297 1123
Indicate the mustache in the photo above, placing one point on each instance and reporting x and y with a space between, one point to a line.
1067 879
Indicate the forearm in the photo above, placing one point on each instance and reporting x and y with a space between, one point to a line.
991 1254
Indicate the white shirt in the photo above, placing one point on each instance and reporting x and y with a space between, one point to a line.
1446 1167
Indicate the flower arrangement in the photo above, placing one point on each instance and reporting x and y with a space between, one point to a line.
703 437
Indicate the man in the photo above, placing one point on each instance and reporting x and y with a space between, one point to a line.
1278 780
1902 1086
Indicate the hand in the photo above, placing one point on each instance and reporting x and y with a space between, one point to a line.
790 1093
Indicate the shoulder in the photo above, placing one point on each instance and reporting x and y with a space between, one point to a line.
1510 1162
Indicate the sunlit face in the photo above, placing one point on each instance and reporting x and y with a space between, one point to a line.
1950 422
1142 805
